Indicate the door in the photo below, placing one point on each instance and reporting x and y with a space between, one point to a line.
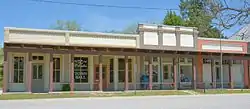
97 79
37 78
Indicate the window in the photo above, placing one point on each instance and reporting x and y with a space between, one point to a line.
155 59
225 61
155 73
81 69
111 74
56 69
121 70
166 71
40 58
206 61
189 60
237 61
37 71
18 69
217 73
182 59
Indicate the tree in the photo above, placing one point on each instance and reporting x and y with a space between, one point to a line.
131 29
195 14
172 19
228 16
67 25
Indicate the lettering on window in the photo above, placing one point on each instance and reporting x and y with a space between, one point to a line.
81 69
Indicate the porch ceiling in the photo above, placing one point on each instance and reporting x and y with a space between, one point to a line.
10 47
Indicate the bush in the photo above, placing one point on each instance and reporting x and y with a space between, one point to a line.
66 87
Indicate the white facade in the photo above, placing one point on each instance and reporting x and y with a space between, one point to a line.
164 70
176 38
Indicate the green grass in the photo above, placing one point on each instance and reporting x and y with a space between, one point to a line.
83 95
223 91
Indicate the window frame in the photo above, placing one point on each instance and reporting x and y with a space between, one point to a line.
154 63
60 70
130 71
18 70
169 77
79 70
111 70
217 71
37 73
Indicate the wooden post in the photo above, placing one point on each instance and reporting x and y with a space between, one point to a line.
51 73
5 73
175 73
150 73
194 72
126 74
72 80
29 72
246 72
100 72
200 70
212 74
230 74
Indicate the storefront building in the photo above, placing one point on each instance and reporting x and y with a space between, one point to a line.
159 57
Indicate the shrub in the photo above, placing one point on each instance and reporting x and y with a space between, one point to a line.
66 87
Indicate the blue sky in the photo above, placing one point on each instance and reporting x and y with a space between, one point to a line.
29 14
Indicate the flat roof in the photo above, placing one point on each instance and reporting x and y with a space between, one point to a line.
202 38
103 33
66 31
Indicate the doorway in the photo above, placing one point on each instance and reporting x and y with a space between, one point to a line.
185 76
97 78
37 78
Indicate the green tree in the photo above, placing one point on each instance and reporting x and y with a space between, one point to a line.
172 19
67 25
1 66
195 14
131 29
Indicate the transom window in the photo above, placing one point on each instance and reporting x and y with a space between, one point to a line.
206 61
237 61
40 58
81 69
56 69
18 69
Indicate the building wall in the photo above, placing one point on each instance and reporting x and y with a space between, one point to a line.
236 70
138 67
238 75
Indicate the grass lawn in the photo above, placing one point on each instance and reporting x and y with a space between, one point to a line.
223 91
80 95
